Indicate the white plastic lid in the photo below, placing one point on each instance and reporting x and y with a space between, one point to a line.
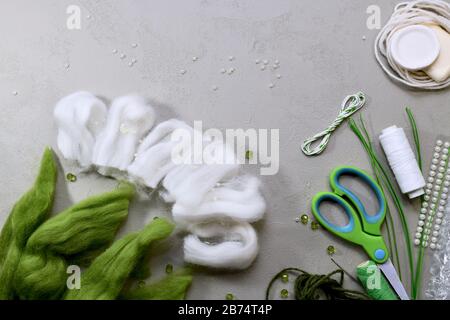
415 47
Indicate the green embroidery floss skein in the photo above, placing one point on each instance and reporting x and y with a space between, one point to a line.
86 226
28 213
374 282
105 278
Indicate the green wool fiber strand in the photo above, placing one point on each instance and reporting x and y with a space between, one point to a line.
86 226
374 282
172 287
27 214
105 278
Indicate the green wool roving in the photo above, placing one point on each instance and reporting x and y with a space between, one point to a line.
172 287
27 214
374 282
105 278
80 229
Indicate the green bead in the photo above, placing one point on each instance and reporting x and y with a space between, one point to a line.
249 154
304 219
229 296
284 293
169 268
71 177
285 278
331 250
314 225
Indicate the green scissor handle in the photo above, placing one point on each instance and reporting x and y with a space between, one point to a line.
362 228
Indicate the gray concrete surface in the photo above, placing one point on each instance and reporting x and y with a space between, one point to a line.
322 57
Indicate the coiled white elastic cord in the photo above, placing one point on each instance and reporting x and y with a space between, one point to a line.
406 14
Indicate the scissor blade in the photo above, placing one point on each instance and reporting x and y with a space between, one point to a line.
391 275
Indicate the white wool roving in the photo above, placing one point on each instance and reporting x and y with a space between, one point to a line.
154 156
189 184
240 199
218 245
129 119
79 118
210 199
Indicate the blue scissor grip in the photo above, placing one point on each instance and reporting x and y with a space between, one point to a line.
343 191
333 198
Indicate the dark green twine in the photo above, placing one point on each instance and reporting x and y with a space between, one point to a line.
314 287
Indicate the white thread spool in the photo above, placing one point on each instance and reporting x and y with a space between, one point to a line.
402 161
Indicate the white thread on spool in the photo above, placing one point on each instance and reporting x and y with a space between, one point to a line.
402 161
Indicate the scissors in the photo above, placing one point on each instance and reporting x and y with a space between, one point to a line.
363 229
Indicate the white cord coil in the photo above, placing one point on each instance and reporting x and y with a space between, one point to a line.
402 161
435 12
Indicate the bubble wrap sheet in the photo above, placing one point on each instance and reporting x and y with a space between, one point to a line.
439 283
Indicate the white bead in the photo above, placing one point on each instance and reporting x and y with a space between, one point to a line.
445 190
439 143
426 198
434 239
445 151
439 182
435 194
447 145
435 234
421 223
422 217
434 166
423 210
447 177
442 163
433 246
417 242
435 161
433 206
431 179
440 175
438 246
441 170
444 157
428 192
442 202
438 221
419 229
441 208
444 197
437 188
447 183
437 227
434 200
425 204
438 149
418 235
